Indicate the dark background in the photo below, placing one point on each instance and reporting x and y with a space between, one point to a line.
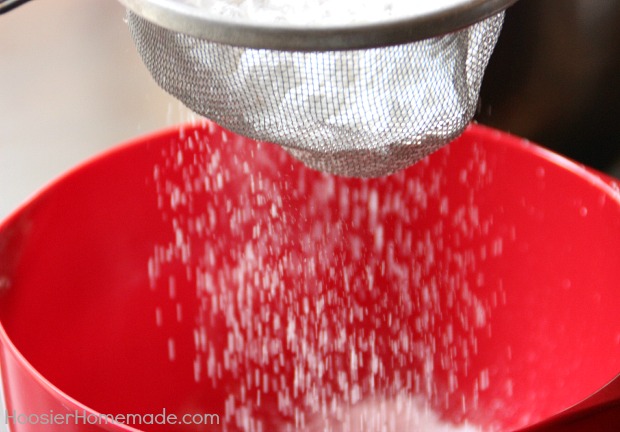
554 78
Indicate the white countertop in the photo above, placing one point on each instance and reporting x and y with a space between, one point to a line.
71 85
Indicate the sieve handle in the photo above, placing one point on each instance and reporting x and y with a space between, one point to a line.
7 5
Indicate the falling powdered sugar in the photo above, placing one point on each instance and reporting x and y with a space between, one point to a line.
320 303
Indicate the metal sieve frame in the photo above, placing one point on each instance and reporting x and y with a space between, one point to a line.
192 21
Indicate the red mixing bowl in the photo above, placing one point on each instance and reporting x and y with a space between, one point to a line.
197 272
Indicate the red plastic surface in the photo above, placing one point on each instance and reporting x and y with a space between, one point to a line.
493 258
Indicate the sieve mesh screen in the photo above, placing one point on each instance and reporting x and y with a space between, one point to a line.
362 113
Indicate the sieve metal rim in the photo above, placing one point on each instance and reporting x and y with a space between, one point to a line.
193 21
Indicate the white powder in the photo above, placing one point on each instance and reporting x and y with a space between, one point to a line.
396 414
317 12
313 321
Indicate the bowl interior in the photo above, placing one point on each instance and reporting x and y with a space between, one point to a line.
198 272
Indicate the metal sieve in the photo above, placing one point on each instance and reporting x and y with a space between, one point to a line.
355 100
359 100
